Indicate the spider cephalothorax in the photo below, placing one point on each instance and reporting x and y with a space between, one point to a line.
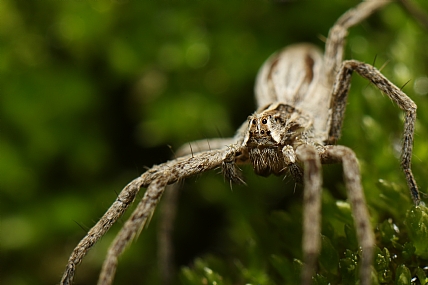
270 134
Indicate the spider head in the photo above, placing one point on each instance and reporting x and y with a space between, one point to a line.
260 127
268 132
276 125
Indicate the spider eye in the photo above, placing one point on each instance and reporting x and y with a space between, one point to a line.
254 121
264 121
262 132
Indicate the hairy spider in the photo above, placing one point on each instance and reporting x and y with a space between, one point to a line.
301 96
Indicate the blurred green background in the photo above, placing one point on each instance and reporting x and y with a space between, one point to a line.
94 91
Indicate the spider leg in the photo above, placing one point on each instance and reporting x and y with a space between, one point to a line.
335 42
169 205
132 228
168 173
168 208
204 145
312 176
124 199
211 144
351 171
160 176
367 71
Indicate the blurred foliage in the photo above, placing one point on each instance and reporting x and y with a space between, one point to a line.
93 91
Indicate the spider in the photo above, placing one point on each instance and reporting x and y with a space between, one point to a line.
301 97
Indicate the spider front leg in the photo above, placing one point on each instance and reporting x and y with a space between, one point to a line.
155 179
312 159
159 177
351 172
169 207
312 180
338 105
123 201
133 227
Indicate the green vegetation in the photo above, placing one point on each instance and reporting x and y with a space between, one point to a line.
92 91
